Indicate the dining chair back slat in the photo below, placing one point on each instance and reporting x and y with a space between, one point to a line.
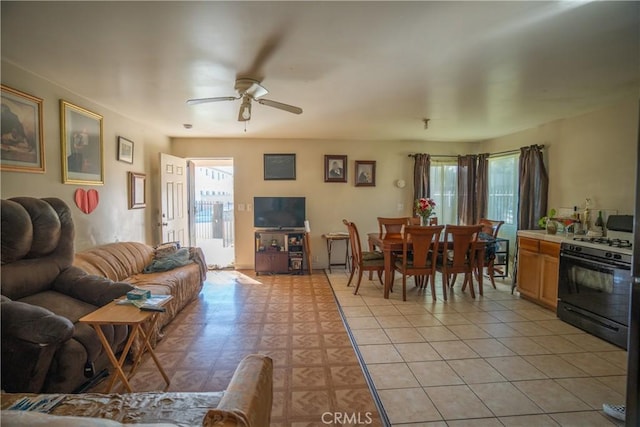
418 258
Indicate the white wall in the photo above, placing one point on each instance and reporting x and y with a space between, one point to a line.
112 220
589 156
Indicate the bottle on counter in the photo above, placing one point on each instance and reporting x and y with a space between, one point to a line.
600 223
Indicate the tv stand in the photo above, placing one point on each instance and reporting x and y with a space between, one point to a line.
279 251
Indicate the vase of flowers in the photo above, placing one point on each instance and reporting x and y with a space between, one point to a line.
424 207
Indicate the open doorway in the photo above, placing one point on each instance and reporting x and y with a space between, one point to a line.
212 223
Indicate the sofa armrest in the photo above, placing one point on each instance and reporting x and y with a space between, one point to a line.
197 255
30 337
95 290
248 399
33 324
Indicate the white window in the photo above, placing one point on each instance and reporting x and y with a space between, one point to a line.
443 180
503 189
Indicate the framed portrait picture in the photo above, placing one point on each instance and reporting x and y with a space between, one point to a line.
125 150
137 190
335 168
365 173
22 143
279 166
82 151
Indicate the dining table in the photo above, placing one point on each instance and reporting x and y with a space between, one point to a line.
391 243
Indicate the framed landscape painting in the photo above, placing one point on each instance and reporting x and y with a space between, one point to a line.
125 150
22 143
82 151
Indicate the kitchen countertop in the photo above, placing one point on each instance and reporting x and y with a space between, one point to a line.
542 235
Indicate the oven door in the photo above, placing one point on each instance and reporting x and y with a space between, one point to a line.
593 295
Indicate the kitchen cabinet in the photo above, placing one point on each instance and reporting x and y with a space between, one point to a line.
538 263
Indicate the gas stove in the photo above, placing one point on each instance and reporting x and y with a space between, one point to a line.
618 240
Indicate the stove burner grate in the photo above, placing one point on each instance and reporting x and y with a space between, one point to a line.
616 243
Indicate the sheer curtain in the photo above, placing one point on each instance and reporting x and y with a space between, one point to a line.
422 165
467 206
533 187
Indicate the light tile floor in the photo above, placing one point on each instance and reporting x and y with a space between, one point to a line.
498 360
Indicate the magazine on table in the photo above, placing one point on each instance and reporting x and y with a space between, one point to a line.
153 303
39 403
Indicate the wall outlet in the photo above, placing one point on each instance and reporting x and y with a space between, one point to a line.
241 207
249 207
315 258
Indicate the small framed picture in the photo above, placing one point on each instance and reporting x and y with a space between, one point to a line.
279 167
81 135
365 173
335 168
137 187
22 143
125 150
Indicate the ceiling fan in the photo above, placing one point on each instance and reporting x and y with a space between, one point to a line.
248 90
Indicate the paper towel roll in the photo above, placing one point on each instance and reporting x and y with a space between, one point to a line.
306 226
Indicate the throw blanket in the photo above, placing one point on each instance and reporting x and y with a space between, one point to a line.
169 262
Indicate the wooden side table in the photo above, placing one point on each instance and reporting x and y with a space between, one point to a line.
330 238
118 314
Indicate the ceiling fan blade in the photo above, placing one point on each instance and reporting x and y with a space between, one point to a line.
216 99
280 106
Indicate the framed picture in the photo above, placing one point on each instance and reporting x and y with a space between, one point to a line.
82 152
279 166
125 150
137 190
365 173
335 168
22 143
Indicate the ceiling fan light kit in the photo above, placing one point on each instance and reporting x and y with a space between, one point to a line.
248 90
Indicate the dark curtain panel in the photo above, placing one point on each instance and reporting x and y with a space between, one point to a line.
533 188
467 189
482 187
421 168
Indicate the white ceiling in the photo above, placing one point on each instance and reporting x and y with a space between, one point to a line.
359 70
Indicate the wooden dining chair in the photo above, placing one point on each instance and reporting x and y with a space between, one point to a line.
458 256
392 227
418 257
491 228
362 261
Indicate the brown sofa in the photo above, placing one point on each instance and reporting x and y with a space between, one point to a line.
126 262
44 348
247 401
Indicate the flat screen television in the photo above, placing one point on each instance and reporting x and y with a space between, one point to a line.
279 212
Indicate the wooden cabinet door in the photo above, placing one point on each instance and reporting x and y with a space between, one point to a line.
549 280
529 273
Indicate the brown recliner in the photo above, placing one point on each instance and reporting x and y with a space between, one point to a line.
44 348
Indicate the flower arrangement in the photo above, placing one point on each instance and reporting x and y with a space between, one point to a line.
425 207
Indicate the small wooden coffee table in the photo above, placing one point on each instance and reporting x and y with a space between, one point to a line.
117 314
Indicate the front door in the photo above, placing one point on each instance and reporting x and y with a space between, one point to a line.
174 221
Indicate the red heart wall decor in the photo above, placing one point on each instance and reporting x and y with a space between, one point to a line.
86 201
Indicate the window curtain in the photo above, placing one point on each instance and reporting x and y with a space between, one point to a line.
533 187
482 187
467 204
421 170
